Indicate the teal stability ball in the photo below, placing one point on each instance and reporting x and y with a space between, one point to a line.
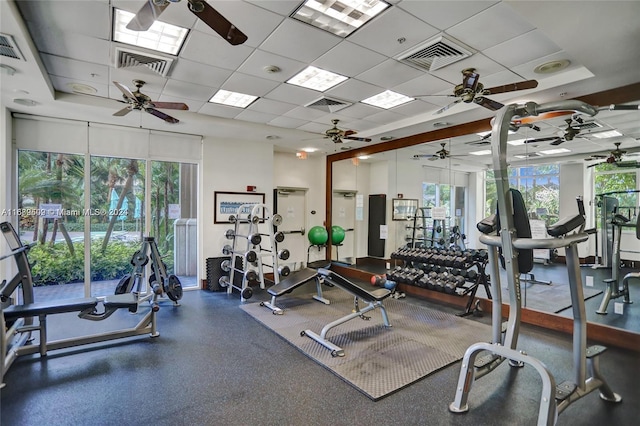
337 235
318 236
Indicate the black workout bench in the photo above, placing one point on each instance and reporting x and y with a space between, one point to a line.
293 281
87 308
373 298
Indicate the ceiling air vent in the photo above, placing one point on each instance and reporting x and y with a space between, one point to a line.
435 54
126 58
328 104
9 48
586 125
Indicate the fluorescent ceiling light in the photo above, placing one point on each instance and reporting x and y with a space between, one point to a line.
555 151
340 17
606 134
482 152
387 99
235 99
162 37
483 134
309 149
316 79
364 157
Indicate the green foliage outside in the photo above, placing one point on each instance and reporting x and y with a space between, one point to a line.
52 264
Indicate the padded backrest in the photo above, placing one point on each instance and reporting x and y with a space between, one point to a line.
523 230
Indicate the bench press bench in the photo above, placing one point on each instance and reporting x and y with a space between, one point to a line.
292 282
373 298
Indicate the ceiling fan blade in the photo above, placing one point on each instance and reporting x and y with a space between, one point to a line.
217 22
627 164
123 111
558 141
171 105
126 91
146 16
444 108
354 138
162 115
528 84
488 103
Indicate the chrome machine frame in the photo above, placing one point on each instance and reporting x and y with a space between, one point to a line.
554 399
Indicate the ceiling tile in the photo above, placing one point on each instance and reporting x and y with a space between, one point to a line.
383 117
354 90
293 94
425 84
62 85
197 73
259 59
59 19
444 14
73 69
482 64
248 84
299 41
183 89
213 50
522 49
358 111
492 26
389 73
304 113
271 106
289 122
219 110
340 59
125 76
281 7
255 116
526 69
381 34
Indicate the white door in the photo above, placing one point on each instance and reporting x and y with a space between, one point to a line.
344 215
291 205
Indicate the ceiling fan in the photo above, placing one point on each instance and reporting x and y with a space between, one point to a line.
442 154
140 101
471 90
568 134
614 157
337 135
152 9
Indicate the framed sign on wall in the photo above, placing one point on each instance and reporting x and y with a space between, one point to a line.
226 204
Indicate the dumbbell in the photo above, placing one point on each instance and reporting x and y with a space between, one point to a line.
255 239
250 255
254 219
276 219
249 275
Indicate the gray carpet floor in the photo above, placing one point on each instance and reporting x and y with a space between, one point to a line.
378 360
214 365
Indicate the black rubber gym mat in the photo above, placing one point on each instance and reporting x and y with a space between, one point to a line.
377 361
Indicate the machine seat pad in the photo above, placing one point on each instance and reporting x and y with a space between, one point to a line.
488 224
49 307
370 296
565 225
293 281
117 301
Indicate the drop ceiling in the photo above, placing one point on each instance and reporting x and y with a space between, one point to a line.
64 45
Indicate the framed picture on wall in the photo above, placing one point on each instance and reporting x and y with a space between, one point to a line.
226 204
404 208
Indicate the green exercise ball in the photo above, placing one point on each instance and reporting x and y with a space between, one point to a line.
318 236
337 235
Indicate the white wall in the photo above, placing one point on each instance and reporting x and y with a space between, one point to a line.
5 182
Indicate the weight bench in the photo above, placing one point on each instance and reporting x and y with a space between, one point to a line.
373 298
290 283
87 309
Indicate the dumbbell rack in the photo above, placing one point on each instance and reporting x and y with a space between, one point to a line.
453 272
420 223
246 228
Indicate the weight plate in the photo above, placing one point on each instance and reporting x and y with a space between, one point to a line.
174 288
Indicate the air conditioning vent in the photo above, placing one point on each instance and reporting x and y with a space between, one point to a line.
328 104
586 125
9 48
435 54
127 58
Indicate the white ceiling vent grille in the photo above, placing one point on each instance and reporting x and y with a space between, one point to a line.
9 48
328 104
586 125
127 58
435 54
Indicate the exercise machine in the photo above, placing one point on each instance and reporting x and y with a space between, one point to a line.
292 282
161 282
19 310
567 233
372 298
614 290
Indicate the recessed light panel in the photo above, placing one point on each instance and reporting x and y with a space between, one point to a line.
555 151
339 17
316 79
606 134
387 99
161 37
483 152
235 99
